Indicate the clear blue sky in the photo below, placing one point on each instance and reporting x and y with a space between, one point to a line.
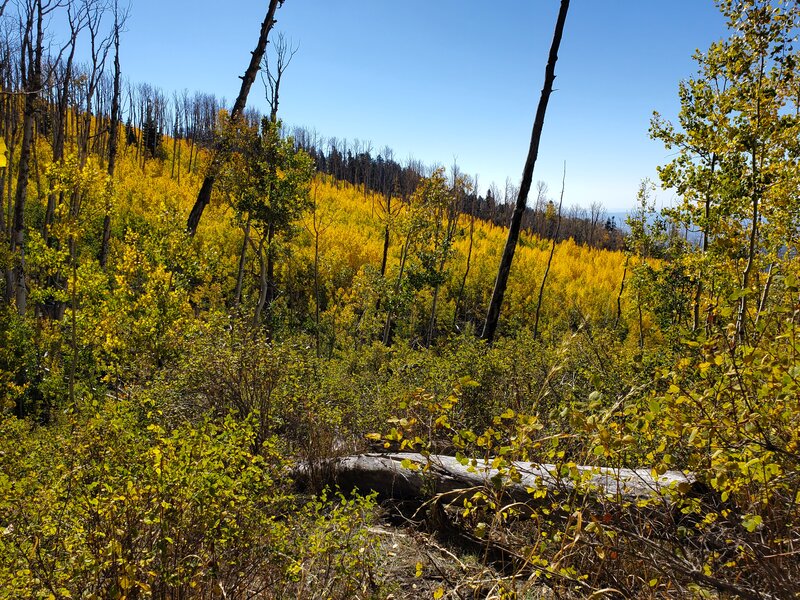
438 79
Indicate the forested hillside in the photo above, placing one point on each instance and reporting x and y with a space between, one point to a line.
204 311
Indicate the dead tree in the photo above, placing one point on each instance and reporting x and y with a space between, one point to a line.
549 258
32 21
493 315
119 23
76 19
99 47
10 105
284 52
417 477
204 196
471 211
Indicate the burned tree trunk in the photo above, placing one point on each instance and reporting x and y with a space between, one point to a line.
113 136
493 315
31 68
204 196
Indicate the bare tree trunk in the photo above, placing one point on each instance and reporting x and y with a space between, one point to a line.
641 320
762 303
385 256
549 259
751 254
461 289
316 283
755 196
113 139
31 66
191 152
284 52
204 197
386 239
240 272
698 293
180 146
62 114
387 328
262 296
493 315
621 290
174 148
271 288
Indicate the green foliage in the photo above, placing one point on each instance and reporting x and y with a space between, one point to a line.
17 361
147 426
267 177
736 168
280 386
110 504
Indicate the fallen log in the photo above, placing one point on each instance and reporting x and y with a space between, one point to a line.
413 476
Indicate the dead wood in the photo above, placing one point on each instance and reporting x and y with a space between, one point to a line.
415 477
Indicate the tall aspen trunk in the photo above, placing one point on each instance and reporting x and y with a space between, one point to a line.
271 288
755 197
621 291
460 297
387 328
262 296
316 287
386 240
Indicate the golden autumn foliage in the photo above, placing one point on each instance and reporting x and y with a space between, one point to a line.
155 404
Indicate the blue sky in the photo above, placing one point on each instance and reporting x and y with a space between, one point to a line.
445 79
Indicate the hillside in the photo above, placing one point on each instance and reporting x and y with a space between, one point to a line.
201 332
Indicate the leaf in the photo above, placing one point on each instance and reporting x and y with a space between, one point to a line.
751 522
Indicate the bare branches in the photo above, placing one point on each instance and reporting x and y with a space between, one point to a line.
271 76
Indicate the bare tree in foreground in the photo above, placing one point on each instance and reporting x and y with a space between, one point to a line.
493 316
